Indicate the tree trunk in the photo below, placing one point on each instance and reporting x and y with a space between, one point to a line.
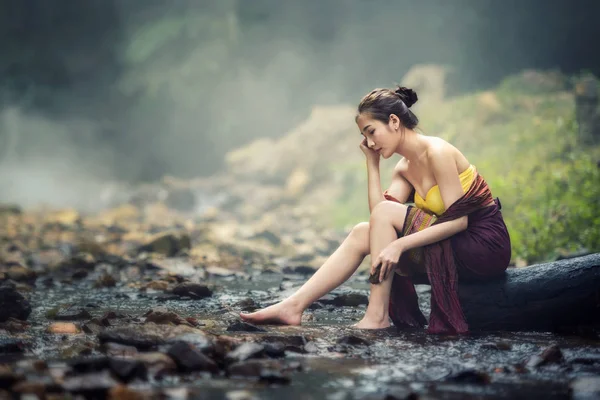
544 297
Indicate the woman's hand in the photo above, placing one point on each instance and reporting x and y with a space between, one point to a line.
368 152
386 262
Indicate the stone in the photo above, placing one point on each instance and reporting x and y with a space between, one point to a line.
244 327
168 244
71 314
14 304
157 364
550 355
193 290
246 351
94 384
65 328
188 358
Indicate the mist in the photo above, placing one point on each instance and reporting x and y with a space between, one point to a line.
101 92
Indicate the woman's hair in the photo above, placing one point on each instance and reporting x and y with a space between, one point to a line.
380 103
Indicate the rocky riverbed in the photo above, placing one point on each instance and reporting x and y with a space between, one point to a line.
140 300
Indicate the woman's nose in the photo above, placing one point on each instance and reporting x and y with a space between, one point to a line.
370 143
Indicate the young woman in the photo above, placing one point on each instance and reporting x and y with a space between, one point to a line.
454 230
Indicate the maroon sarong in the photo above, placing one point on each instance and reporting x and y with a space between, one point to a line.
481 251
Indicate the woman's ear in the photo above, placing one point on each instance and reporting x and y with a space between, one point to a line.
394 122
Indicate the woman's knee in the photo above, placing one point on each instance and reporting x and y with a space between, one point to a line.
388 211
360 236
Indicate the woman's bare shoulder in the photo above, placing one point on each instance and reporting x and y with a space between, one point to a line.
401 166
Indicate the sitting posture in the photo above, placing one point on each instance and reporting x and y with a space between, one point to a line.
454 230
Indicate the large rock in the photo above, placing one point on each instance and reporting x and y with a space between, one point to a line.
12 303
544 297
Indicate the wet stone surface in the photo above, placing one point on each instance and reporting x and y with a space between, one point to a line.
147 341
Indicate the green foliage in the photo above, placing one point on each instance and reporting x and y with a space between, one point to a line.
526 147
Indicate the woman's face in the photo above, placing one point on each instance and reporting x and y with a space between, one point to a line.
380 136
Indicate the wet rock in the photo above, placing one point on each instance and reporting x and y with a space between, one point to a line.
13 325
299 269
550 355
156 285
14 305
589 359
92 328
9 345
352 340
89 364
585 388
198 340
169 244
193 290
188 358
94 384
8 377
79 274
346 300
246 351
72 314
246 305
106 280
19 273
80 261
122 392
39 388
157 364
469 376
118 350
161 315
275 350
502 346
127 369
268 371
239 326
65 328
145 336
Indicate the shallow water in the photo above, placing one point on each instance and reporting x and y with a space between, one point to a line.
392 362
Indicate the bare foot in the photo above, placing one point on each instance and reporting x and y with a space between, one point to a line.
369 323
281 313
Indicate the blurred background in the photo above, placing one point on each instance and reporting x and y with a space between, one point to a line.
132 91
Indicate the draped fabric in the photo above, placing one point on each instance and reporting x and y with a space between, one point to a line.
481 251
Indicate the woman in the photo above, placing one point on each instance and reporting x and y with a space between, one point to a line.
455 228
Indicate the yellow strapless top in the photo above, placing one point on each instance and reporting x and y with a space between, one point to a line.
433 199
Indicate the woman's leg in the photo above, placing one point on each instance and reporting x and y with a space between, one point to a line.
386 218
335 271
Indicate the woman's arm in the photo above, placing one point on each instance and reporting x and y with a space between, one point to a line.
400 189
374 183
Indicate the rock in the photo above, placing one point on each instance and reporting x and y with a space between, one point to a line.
247 305
13 325
71 314
156 285
300 269
544 297
169 244
585 388
19 273
188 358
92 328
80 261
352 340
127 369
9 345
14 305
346 300
119 350
503 346
8 377
246 351
161 315
106 280
66 328
199 340
94 384
469 376
146 336
193 290
122 392
243 327
157 364
550 355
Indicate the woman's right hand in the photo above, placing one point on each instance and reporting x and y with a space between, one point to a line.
368 152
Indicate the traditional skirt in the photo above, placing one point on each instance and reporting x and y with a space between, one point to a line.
480 252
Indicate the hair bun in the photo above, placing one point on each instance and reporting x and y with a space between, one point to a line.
408 96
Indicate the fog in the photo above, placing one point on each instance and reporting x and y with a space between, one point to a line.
104 91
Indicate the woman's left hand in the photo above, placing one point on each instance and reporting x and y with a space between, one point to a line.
388 258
